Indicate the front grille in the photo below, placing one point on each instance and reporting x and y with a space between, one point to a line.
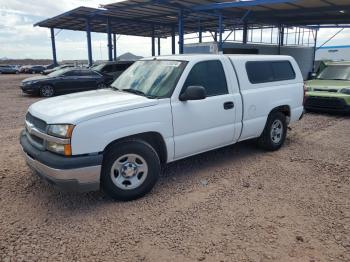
41 126
36 122
37 139
325 102
326 90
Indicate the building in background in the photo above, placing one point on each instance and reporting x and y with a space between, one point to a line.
304 55
336 53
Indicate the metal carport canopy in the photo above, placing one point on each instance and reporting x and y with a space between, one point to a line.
140 17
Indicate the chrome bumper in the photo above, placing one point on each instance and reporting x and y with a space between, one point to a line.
77 179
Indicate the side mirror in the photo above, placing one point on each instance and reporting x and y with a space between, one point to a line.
312 75
193 93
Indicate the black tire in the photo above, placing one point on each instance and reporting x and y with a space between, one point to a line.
47 91
119 150
266 140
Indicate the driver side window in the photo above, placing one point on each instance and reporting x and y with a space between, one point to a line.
210 75
72 73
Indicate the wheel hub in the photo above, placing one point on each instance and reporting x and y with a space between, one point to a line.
129 170
277 131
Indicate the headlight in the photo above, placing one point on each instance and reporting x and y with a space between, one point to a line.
345 91
63 131
30 82
308 88
57 148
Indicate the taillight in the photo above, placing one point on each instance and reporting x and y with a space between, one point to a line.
304 97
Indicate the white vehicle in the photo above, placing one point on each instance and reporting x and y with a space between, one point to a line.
160 110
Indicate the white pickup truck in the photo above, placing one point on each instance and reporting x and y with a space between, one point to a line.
160 110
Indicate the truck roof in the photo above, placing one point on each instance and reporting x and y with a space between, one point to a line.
193 57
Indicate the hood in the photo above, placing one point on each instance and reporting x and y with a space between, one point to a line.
75 108
326 85
35 78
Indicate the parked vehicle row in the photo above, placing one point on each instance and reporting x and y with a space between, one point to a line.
8 69
65 81
158 111
68 79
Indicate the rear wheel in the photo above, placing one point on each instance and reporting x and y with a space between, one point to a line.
47 91
275 132
130 170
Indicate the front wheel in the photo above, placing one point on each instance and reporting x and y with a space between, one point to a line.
275 132
47 91
130 170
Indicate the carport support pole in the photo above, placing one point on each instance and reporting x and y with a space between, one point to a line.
173 41
280 38
153 44
109 38
181 32
54 57
115 47
220 32
245 33
88 38
314 54
158 46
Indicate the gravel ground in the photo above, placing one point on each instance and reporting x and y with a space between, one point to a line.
234 204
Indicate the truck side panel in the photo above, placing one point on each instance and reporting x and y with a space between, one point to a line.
260 99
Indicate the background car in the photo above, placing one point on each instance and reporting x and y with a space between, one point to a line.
7 69
49 71
64 81
113 69
330 90
34 69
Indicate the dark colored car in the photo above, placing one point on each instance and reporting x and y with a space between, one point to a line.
35 69
49 71
113 69
64 81
7 69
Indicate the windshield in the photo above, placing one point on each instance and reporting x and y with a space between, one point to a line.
151 78
335 72
58 72
98 67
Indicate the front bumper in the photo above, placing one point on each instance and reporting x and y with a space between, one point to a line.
326 104
29 89
79 173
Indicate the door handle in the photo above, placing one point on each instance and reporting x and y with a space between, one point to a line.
229 105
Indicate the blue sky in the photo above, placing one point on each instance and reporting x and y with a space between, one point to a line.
19 39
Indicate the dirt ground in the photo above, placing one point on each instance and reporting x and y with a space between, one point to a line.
234 204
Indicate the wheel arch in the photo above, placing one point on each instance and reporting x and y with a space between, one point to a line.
155 139
284 109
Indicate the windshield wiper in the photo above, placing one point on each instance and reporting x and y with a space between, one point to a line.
138 92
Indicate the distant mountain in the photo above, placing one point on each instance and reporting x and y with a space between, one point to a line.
129 57
4 58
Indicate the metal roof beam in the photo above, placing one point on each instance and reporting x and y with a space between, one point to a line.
136 5
103 18
235 4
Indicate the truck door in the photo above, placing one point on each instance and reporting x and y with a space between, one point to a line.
205 124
